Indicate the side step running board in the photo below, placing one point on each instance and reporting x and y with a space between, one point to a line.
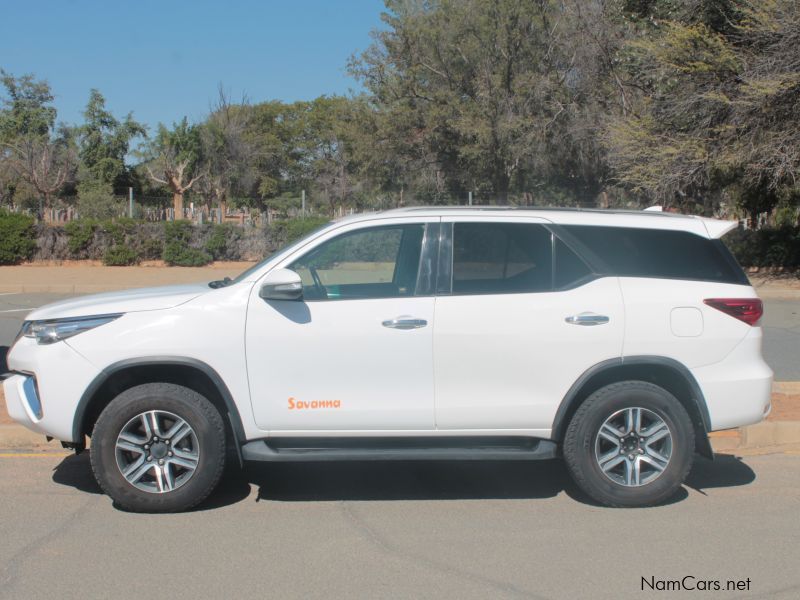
455 448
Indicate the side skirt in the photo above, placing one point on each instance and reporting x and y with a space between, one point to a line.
418 448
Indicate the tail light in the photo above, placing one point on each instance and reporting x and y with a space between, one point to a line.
748 310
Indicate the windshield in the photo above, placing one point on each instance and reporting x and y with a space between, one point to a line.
278 253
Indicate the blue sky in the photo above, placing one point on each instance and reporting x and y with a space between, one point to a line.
164 59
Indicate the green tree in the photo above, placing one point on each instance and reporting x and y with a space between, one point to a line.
26 107
33 152
332 148
173 158
484 91
229 154
715 114
104 143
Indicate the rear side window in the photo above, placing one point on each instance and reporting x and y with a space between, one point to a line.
631 252
501 258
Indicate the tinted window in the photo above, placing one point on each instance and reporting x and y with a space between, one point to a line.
497 258
378 262
570 269
659 253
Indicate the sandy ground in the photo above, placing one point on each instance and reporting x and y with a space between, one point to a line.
90 276
776 287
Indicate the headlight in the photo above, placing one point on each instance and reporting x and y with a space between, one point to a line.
55 330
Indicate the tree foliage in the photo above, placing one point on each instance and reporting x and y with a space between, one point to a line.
35 157
105 141
688 103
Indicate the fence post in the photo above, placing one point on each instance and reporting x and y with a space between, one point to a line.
130 202
303 203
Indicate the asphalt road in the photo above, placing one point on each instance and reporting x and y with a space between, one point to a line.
781 329
399 530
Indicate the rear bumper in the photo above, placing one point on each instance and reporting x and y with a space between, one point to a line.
738 389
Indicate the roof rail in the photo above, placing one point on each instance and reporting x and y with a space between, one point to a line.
651 211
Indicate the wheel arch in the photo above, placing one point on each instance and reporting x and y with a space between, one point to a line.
659 370
188 372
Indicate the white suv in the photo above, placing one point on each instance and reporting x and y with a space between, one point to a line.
615 339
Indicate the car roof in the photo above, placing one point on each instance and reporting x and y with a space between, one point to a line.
647 219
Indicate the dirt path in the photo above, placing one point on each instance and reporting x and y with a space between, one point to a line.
90 276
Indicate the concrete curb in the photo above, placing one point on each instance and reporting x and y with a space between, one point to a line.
761 435
786 387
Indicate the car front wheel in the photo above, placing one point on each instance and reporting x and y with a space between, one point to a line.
158 447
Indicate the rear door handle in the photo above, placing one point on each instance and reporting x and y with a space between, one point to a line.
587 319
405 323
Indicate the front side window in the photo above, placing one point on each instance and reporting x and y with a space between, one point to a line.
376 262
501 258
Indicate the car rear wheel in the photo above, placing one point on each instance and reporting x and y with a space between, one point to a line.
158 447
630 444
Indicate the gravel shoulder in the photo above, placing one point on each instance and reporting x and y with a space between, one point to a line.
82 277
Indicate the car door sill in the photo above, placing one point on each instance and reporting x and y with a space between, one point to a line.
417 448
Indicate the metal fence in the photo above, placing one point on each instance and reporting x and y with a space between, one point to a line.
155 209
159 208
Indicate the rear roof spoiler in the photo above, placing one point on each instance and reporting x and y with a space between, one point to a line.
717 228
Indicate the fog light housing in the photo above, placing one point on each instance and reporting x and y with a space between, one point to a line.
30 393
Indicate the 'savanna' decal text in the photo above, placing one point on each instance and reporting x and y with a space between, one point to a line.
313 404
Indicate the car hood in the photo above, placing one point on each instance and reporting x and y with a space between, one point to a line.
120 302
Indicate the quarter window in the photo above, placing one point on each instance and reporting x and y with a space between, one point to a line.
376 262
501 258
633 252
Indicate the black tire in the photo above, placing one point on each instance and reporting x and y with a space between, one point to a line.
580 449
208 428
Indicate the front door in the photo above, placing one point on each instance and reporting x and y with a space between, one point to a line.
356 353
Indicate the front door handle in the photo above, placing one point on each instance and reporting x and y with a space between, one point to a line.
405 323
587 319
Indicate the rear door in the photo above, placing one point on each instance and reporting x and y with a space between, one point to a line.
518 320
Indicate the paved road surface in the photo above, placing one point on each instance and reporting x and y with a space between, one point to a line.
400 530
781 329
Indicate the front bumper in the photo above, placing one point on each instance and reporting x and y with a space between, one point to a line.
22 400
46 386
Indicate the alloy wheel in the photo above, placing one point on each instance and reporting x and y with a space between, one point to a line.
633 446
157 451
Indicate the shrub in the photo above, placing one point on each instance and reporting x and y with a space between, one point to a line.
80 234
222 243
96 201
120 256
775 247
120 242
17 238
178 250
294 229
152 248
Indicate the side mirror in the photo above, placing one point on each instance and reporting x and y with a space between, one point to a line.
281 284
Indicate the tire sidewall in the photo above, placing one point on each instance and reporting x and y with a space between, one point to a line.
604 403
141 399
